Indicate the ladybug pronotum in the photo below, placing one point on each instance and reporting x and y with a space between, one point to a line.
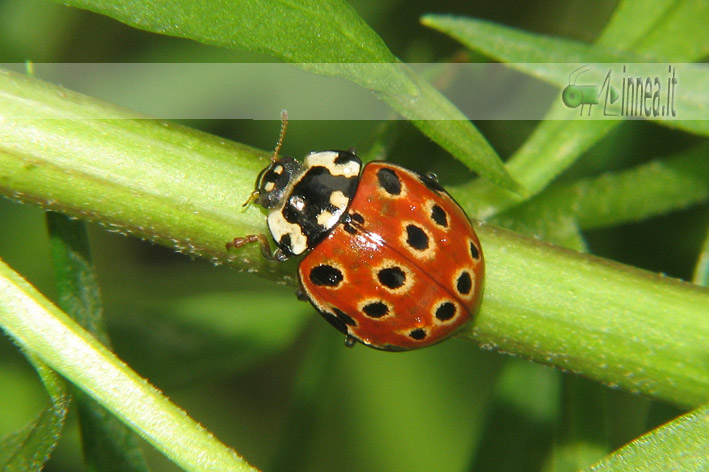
391 260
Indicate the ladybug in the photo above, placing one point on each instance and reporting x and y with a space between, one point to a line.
391 260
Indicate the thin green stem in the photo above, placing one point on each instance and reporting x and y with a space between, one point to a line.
107 443
41 328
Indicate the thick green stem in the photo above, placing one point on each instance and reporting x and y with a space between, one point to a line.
184 189
622 326
151 179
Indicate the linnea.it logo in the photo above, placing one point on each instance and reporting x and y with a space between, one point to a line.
622 92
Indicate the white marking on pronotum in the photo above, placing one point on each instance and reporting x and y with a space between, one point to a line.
339 200
329 219
327 159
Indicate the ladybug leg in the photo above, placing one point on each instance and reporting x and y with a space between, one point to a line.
300 294
350 341
262 240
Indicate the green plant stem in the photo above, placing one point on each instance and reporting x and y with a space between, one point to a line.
108 444
184 189
44 330
619 325
134 175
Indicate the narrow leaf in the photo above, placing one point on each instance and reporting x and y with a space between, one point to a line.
701 271
580 439
29 449
548 58
326 37
318 31
679 445
648 190
556 145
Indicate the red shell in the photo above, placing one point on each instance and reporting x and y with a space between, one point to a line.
407 269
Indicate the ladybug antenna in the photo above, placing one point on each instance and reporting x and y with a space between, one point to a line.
281 137
274 157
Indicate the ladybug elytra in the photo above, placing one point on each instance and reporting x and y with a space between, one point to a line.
391 260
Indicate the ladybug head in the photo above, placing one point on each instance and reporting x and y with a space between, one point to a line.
272 182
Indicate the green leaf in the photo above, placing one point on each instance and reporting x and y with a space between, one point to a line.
555 145
580 439
669 184
108 444
317 31
678 445
548 58
77 287
330 38
666 29
29 449
701 271
42 329
517 47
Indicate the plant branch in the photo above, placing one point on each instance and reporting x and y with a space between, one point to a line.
184 189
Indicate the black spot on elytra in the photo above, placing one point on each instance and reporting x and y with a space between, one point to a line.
464 283
352 221
356 217
389 181
418 334
439 216
375 309
416 237
474 251
392 277
326 275
445 311
347 319
338 323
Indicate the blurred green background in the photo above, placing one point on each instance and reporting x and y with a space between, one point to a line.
277 384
